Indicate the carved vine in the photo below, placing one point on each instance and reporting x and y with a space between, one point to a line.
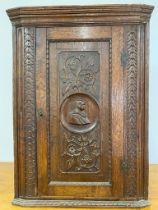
81 152
29 111
131 112
79 73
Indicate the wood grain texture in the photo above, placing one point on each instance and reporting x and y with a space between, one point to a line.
81 203
140 109
92 33
117 110
18 126
15 117
146 111
72 15
41 107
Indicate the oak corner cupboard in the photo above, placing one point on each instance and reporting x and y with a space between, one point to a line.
81 105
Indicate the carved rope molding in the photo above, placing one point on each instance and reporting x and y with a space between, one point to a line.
131 114
48 110
29 111
110 117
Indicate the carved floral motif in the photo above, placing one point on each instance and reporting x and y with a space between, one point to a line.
82 152
79 72
79 80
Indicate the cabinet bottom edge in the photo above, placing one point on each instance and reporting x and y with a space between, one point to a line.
79 203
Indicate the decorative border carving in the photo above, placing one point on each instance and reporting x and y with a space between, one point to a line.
131 114
80 203
110 117
29 112
48 110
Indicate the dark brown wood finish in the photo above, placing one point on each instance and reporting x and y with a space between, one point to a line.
81 105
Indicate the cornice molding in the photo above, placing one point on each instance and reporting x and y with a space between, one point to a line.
71 15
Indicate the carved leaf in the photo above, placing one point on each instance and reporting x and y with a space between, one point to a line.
29 111
79 72
131 112
69 163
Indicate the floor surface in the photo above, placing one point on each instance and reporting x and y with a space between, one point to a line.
6 190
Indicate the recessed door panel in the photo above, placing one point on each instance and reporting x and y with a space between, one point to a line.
79 137
76 157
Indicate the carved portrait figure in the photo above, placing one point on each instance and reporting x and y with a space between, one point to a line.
78 115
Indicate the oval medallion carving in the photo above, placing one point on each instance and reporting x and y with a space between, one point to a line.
79 113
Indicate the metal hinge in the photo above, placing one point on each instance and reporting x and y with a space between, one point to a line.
124 165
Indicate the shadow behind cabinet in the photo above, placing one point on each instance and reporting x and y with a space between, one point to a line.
81 105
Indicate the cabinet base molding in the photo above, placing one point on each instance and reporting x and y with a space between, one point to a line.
80 203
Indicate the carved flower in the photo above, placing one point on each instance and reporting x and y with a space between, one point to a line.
73 149
73 65
86 76
86 158
87 161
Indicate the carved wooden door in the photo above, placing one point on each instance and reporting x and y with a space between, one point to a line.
79 125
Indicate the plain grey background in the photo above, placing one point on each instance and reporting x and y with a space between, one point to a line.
6 129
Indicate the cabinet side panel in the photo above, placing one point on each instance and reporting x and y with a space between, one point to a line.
15 111
130 86
29 113
140 108
18 111
133 62
146 158
135 111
